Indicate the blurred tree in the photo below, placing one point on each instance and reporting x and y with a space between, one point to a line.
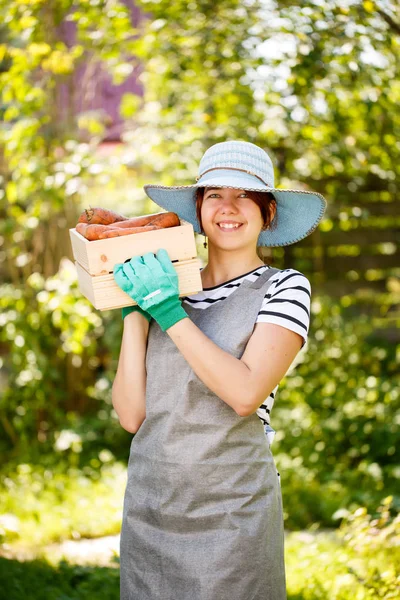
339 104
43 164
316 83
197 59
48 332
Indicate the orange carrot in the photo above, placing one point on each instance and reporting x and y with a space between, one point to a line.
100 216
81 228
92 224
167 219
162 220
91 232
112 232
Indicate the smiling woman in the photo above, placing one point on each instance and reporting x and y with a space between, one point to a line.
264 200
203 516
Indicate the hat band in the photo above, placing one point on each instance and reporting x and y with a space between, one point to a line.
233 169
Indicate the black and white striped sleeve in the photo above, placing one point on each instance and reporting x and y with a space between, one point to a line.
287 302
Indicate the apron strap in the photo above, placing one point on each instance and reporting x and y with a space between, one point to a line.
268 273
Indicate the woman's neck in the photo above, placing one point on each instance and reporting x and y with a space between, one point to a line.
219 270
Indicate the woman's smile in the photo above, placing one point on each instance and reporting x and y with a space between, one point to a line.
229 226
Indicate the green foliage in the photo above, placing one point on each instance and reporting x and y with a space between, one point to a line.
377 535
129 105
38 580
59 368
43 165
51 332
41 504
51 357
336 419
197 65
362 560
314 83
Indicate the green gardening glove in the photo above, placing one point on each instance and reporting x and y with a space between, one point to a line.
155 287
124 283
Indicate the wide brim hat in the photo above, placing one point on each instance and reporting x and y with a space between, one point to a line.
243 165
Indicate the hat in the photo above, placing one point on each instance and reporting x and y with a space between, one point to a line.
243 165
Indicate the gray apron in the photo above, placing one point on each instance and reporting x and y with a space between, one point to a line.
202 516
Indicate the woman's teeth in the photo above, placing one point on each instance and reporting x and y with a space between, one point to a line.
229 225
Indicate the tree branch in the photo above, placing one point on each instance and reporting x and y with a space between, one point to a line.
389 20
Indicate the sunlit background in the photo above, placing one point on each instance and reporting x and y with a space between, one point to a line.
100 97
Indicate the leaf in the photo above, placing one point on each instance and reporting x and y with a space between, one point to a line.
129 105
369 6
12 192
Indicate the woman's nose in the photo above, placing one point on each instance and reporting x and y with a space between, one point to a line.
227 203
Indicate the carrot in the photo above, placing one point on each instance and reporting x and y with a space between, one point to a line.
118 231
93 229
100 216
168 219
91 232
133 222
162 220
81 228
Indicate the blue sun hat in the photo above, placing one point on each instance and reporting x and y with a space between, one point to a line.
243 165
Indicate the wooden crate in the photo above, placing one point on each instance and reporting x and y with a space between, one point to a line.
95 262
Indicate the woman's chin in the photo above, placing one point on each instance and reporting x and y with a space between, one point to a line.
230 244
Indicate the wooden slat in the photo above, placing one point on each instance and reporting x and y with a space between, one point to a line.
85 283
342 264
371 208
339 287
359 237
99 256
103 292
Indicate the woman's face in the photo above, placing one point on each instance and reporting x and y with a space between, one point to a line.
230 217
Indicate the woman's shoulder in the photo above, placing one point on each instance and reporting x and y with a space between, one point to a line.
287 302
284 278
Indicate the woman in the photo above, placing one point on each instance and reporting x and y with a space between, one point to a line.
202 516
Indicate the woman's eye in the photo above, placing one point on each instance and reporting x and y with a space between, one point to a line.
215 194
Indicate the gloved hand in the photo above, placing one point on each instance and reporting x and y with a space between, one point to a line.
124 283
153 284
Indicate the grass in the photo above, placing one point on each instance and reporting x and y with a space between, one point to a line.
319 566
41 506
38 580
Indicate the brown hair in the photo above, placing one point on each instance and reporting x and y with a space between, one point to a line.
264 200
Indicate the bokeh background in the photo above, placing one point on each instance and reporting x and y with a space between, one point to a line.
99 97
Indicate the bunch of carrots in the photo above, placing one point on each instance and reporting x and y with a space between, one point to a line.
101 223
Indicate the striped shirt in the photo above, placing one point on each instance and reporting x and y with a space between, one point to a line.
287 303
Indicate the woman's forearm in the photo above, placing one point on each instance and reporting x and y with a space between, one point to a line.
230 381
129 387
